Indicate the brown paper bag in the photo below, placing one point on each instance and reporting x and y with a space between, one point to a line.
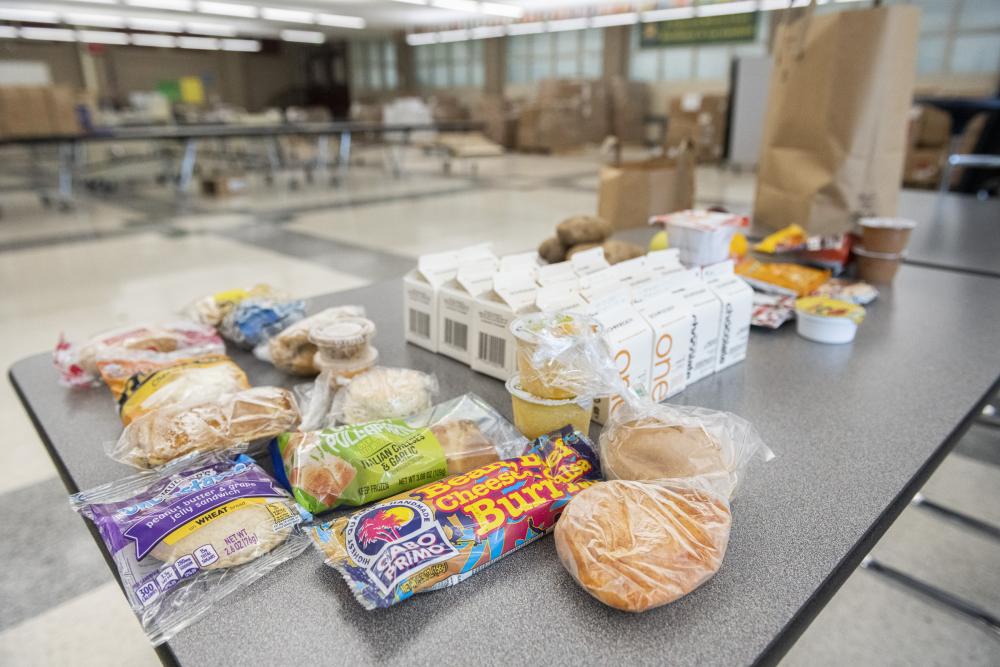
631 192
835 131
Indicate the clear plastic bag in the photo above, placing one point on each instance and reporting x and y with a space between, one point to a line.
190 423
355 465
253 322
643 440
637 545
212 309
187 535
383 393
115 355
291 350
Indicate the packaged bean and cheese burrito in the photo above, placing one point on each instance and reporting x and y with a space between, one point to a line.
186 535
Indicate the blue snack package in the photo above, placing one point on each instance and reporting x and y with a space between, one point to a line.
255 321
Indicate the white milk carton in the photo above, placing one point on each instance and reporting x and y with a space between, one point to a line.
595 286
657 264
551 274
589 261
456 306
420 296
630 340
706 310
492 345
671 320
737 304
529 261
560 296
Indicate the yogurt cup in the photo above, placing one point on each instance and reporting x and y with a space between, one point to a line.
886 235
826 320
344 338
535 416
876 267
545 351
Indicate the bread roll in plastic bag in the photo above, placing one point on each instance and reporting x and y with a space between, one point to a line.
291 350
643 440
636 545
383 393
115 355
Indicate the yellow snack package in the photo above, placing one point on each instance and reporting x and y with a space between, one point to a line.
781 278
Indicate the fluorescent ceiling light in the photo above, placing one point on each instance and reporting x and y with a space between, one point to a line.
413 2
726 8
287 15
158 41
217 29
304 36
50 34
456 5
228 9
453 35
669 14
500 9
28 15
340 21
100 2
176 5
567 24
102 37
421 38
8 32
248 45
161 25
525 28
99 20
488 31
203 43
606 20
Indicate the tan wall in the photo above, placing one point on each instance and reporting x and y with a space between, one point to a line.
61 58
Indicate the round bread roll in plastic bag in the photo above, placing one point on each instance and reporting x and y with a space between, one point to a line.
635 546
648 441
383 393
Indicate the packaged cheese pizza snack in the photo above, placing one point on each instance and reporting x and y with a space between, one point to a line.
116 355
439 534
639 545
358 464
185 536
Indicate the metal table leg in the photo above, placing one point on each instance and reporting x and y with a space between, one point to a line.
67 160
344 153
186 174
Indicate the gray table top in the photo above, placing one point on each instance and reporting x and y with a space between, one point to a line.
857 429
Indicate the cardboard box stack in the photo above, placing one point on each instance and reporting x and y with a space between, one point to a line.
700 119
629 106
928 140
34 111
500 119
667 326
566 114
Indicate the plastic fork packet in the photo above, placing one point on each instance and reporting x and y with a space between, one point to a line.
185 536
444 532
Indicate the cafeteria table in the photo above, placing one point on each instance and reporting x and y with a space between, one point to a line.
857 430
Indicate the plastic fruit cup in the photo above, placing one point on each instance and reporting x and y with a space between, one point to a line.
826 320
548 378
886 235
535 416
876 267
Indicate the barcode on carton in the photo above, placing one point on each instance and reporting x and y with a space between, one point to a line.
420 323
456 334
492 349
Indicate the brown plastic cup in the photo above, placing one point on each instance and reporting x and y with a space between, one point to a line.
878 268
886 235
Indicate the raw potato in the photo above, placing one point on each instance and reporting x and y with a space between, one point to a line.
583 229
635 545
618 251
238 536
580 248
552 250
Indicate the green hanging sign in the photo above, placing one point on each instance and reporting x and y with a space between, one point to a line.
703 30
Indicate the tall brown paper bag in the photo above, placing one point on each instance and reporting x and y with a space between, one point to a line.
834 135
631 192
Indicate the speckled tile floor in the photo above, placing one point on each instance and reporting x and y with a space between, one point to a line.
141 253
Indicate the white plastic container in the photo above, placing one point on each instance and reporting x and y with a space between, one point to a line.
703 237
827 320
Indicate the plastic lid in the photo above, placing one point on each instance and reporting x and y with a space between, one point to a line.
858 250
822 306
365 360
530 328
346 332
514 389
888 223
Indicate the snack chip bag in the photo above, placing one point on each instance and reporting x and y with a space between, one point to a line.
116 355
781 278
185 536
439 534
358 464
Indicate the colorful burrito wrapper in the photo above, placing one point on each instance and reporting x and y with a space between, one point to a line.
441 533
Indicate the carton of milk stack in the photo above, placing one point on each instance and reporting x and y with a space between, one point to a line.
737 304
456 305
420 296
630 340
706 311
671 320
492 344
